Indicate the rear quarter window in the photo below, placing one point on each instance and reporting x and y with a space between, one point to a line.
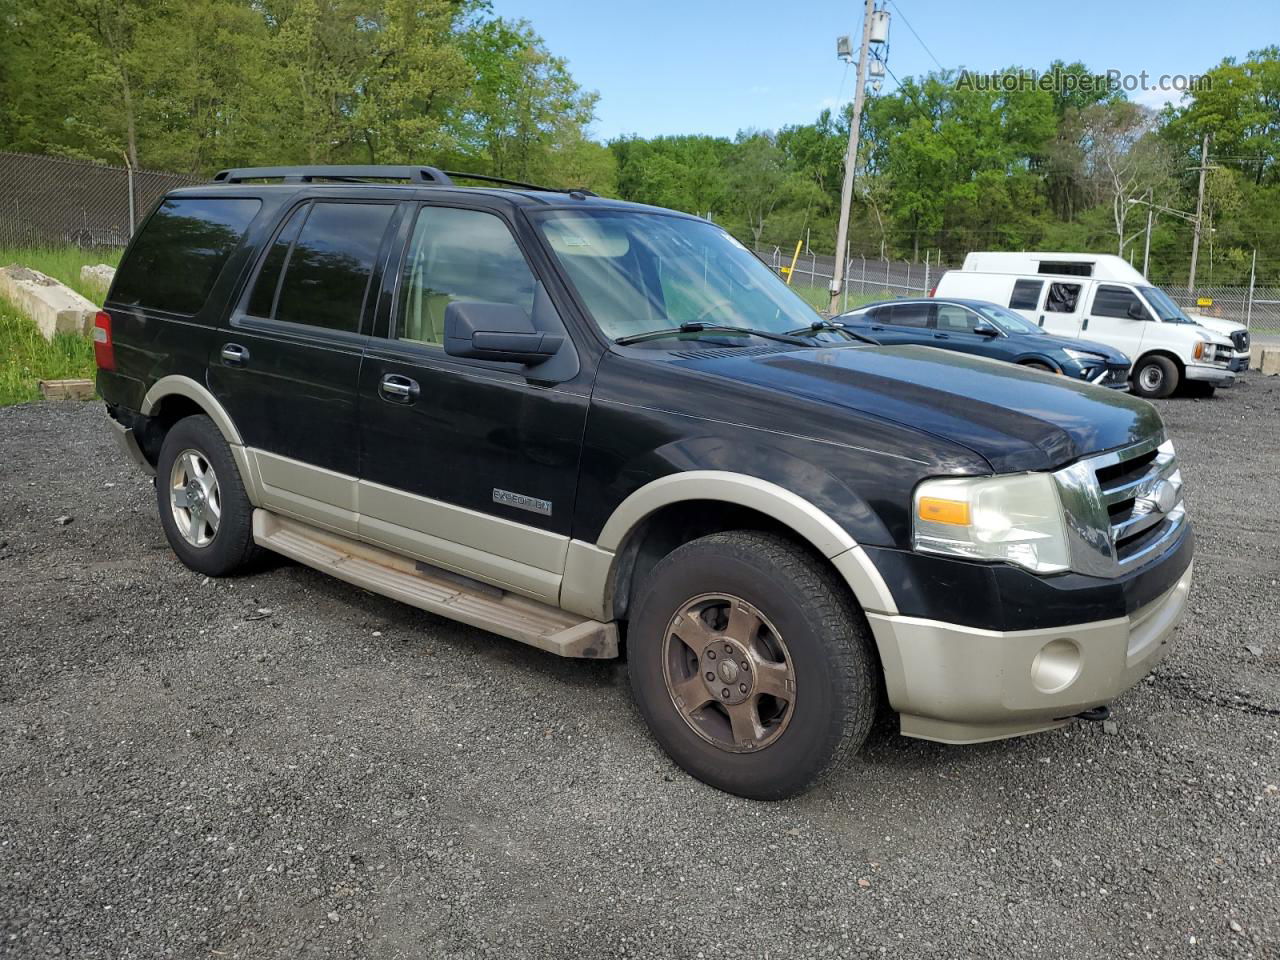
1026 294
181 250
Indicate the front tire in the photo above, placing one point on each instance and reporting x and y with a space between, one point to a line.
751 664
1155 377
204 509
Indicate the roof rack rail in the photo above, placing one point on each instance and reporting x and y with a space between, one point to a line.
352 173
486 178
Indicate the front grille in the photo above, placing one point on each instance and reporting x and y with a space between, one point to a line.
1122 507
1142 491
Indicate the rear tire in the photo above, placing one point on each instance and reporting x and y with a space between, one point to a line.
751 664
204 508
1155 377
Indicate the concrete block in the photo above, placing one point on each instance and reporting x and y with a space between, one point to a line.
66 389
54 307
97 275
1270 365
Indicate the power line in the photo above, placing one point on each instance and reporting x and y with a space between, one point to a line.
898 7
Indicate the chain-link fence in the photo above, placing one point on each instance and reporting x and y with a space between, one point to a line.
54 202
868 278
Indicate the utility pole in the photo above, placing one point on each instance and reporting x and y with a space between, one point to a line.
1146 253
851 159
1195 241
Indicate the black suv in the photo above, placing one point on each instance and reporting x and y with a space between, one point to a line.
599 427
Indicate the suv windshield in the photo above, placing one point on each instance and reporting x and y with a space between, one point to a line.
639 272
1165 308
1006 320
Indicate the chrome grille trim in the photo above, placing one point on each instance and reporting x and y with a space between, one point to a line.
1097 541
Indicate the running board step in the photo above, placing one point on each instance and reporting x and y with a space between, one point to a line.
401 578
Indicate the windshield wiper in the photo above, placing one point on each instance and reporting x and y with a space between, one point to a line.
699 327
818 325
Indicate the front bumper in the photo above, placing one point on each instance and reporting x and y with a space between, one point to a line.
1239 362
1203 372
962 684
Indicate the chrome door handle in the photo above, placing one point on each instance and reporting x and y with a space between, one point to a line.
399 389
234 353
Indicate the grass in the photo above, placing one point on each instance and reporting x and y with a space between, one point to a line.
61 263
25 356
820 299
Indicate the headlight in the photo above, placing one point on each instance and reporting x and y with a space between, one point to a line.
1083 357
1017 518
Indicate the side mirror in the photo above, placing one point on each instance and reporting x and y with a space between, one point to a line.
986 330
496 331
1136 311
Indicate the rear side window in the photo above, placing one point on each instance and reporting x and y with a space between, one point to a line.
176 259
1114 301
317 271
1026 294
910 314
1062 298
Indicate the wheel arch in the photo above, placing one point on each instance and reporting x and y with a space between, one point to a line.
174 397
1028 359
1160 352
601 579
179 394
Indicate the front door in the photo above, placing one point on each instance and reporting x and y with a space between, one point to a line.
953 330
1112 320
287 366
467 465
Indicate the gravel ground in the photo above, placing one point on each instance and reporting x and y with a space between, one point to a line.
281 765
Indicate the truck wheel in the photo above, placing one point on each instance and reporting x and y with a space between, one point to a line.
1155 377
751 665
204 509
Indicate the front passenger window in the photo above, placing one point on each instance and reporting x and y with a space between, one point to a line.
453 255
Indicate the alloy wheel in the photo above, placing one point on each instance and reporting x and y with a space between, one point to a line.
194 498
729 673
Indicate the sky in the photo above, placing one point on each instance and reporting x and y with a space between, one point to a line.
720 66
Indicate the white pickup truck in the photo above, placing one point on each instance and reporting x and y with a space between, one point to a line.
1102 298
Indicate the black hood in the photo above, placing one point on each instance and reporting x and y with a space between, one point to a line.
1016 418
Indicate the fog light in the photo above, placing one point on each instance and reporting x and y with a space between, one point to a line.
1056 666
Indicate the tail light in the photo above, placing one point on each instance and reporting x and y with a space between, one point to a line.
933 290
104 351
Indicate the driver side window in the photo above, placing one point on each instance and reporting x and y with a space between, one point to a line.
1115 301
956 319
453 255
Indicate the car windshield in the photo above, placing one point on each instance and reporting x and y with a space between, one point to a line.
1165 308
639 272
1006 320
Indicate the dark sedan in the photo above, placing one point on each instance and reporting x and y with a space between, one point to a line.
987 330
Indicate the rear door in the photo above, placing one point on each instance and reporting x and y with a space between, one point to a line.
901 323
1110 321
287 365
469 465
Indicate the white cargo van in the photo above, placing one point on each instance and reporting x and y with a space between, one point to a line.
1100 297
